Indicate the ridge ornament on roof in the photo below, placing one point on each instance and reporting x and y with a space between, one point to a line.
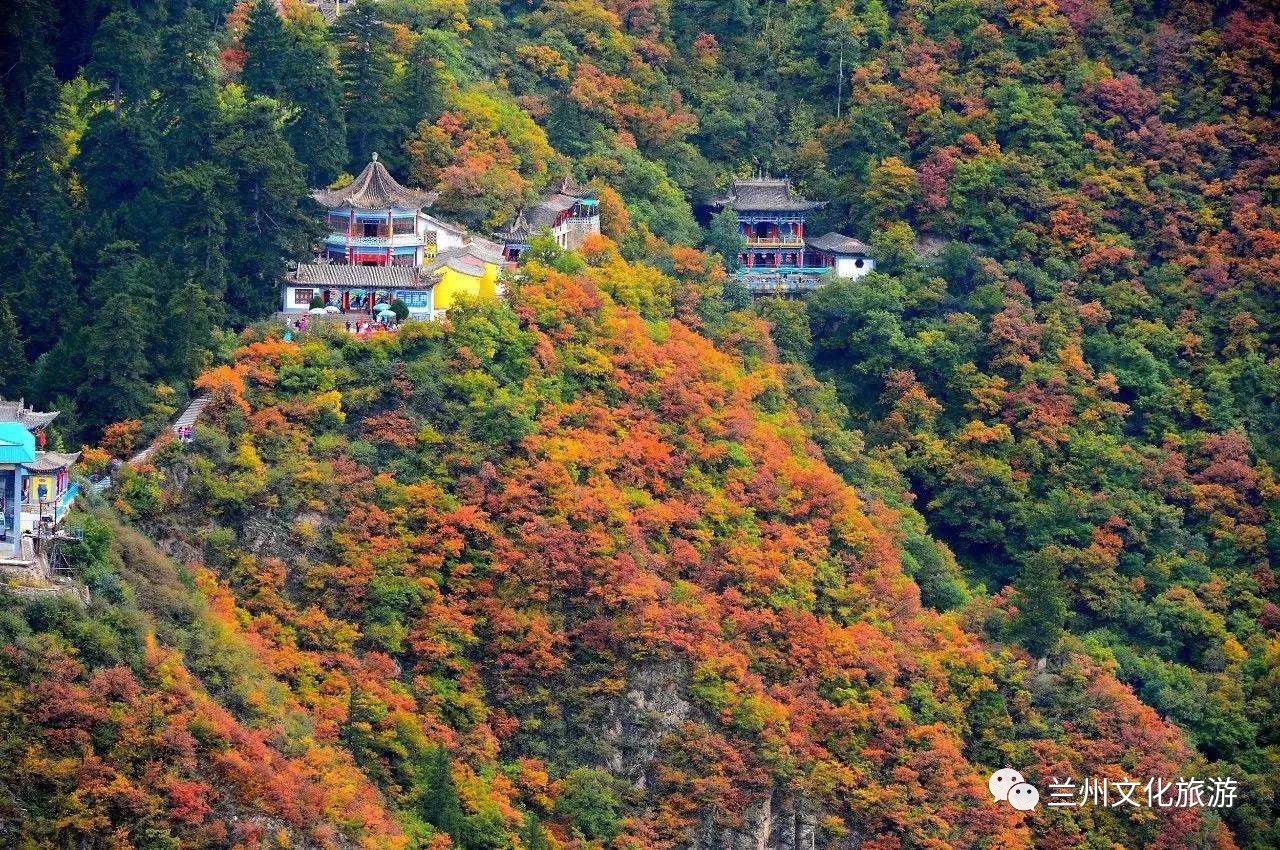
374 189
17 411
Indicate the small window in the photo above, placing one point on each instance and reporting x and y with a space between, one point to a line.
303 296
859 262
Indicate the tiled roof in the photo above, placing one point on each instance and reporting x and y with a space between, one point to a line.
484 249
765 193
838 243
374 189
563 195
459 259
361 277
52 461
518 230
17 411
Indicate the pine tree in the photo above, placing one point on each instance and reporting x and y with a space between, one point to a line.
315 129
185 110
273 227
292 63
114 383
187 332
46 299
119 160
440 804
367 73
199 203
13 358
124 55
1042 603
266 51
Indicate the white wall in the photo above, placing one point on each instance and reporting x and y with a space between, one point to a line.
445 237
289 306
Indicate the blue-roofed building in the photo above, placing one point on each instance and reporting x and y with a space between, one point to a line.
17 449
35 485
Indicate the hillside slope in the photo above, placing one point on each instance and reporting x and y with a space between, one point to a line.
604 565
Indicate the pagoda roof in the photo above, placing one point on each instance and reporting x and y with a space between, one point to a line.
838 243
17 411
361 277
374 189
765 194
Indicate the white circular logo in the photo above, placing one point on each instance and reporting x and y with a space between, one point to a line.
1002 780
1024 796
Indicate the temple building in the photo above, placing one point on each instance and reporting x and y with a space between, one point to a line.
568 213
374 221
778 255
382 247
35 485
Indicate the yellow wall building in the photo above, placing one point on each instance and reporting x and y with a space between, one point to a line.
470 270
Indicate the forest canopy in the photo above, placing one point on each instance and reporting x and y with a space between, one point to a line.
1008 499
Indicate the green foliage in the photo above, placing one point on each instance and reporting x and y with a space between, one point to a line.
1041 600
366 69
724 238
440 805
13 358
589 803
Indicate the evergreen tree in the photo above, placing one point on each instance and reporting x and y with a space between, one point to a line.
114 382
185 111
440 804
199 201
1042 603
293 64
124 55
316 131
273 227
46 298
119 160
13 358
725 239
266 51
186 332
367 73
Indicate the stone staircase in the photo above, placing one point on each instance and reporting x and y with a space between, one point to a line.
186 419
